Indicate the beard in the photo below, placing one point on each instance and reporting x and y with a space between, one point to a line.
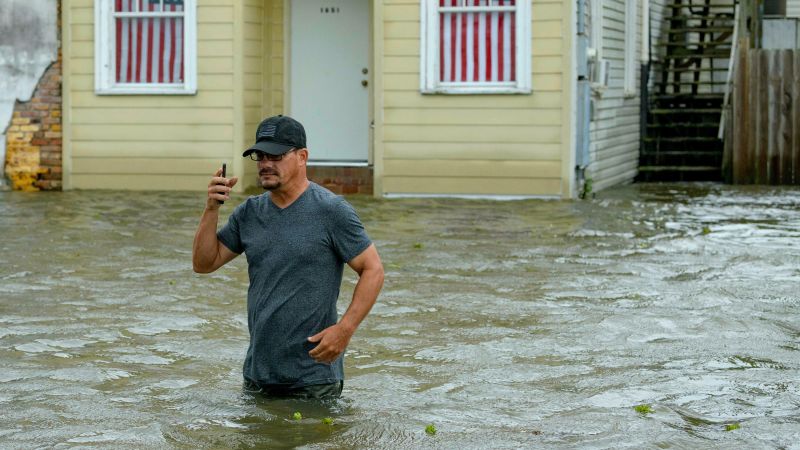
271 183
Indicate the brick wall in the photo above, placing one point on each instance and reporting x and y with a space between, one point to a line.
33 139
343 180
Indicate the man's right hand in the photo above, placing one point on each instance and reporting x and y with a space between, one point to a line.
219 189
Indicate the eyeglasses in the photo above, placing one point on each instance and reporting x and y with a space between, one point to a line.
260 156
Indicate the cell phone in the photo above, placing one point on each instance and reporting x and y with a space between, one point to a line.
224 167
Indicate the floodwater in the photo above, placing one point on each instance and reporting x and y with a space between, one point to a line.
504 324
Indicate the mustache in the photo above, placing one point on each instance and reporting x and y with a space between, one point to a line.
267 172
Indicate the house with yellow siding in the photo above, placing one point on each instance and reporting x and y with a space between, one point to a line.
421 97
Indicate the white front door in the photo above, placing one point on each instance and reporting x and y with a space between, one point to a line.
329 77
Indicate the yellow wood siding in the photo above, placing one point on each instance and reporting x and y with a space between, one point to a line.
474 144
253 55
450 144
156 142
274 57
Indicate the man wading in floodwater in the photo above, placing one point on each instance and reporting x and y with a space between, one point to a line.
297 238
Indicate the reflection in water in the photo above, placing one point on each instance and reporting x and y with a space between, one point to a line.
506 324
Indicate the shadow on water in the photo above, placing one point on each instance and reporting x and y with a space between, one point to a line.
506 324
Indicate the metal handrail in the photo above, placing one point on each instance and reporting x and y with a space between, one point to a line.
731 67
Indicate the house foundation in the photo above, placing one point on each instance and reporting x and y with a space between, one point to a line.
343 180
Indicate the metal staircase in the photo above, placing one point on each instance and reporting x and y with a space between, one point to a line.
683 109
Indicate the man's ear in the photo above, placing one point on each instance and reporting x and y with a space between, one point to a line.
303 154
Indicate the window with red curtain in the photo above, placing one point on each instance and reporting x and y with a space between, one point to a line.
149 41
476 45
145 46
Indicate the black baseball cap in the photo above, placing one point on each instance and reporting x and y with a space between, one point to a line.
277 135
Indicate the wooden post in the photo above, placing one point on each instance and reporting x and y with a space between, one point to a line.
786 129
751 119
773 72
741 128
762 140
796 120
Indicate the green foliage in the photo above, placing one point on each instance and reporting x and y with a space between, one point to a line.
297 416
706 230
587 188
732 426
430 429
418 245
328 420
643 409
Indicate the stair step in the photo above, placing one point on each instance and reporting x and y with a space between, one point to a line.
686 111
678 175
693 6
684 137
690 119
690 69
686 153
681 159
706 44
701 30
687 96
680 139
722 54
701 17
677 168
684 83
648 156
677 125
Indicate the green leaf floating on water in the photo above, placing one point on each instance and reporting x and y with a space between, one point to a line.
328 421
430 429
732 426
297 416
643 409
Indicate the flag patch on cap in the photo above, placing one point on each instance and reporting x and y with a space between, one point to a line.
268 131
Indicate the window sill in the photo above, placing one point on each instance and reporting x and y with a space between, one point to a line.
476 91
145 90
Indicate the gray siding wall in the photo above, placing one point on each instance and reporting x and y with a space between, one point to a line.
793 8
614 135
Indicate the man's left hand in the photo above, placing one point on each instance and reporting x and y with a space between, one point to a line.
332 342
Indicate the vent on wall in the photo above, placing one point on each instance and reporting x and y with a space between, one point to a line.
600 72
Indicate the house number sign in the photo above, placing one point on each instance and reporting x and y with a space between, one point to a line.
329 10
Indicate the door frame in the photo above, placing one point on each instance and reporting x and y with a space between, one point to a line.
287 100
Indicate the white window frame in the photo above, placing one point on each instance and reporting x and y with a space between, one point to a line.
104 48
429 52
631 35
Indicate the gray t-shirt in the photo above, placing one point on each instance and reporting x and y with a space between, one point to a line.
295 258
